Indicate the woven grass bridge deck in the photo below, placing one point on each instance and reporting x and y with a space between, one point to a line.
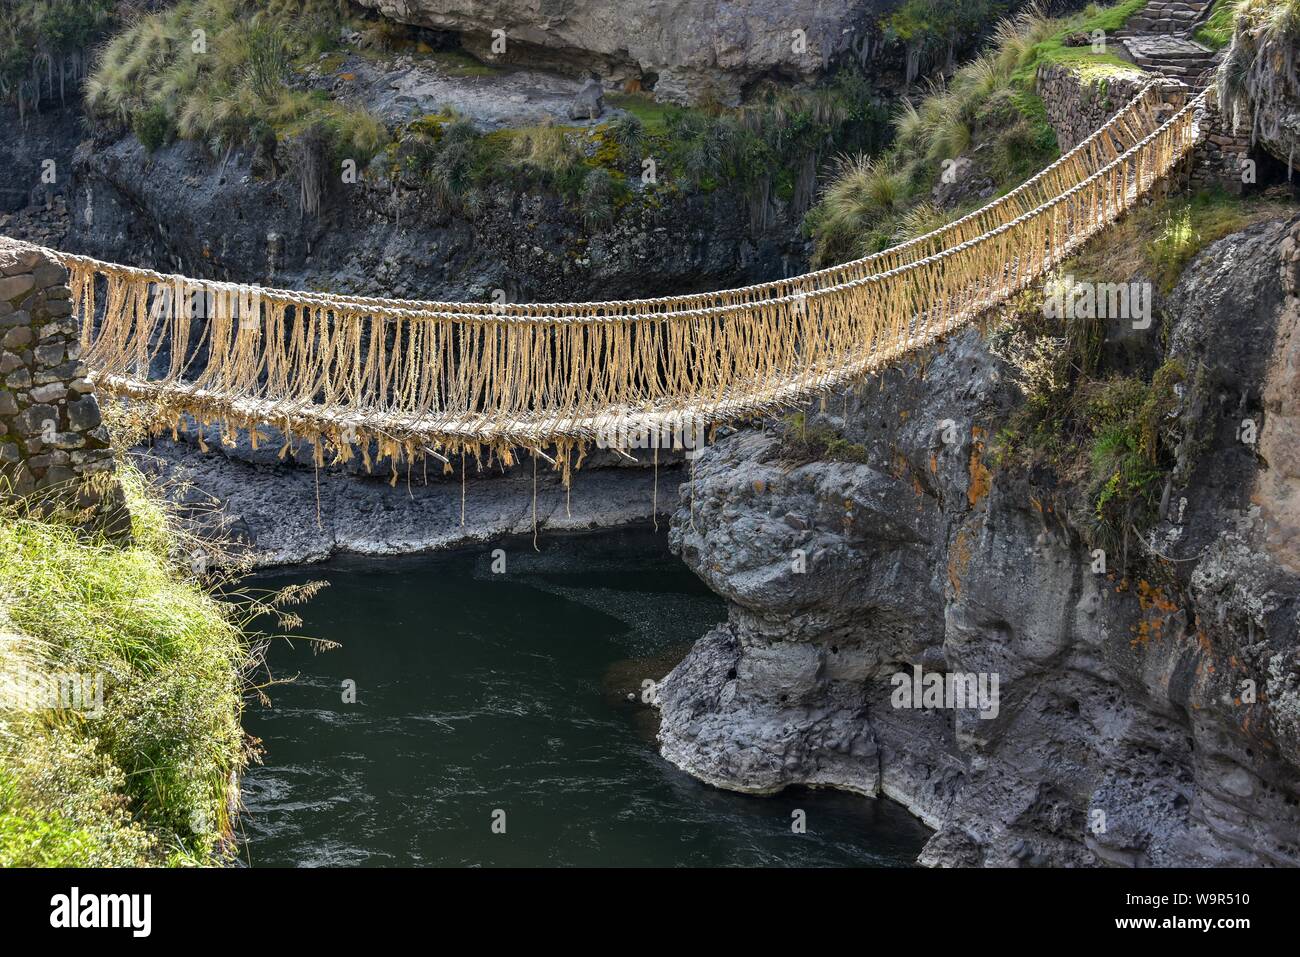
448 378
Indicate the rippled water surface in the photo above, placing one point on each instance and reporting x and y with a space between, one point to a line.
480 692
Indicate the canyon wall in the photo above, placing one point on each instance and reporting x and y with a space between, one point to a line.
683 49
1144 719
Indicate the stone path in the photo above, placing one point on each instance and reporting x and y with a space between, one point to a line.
1159 38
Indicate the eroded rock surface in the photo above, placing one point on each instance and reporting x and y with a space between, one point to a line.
289 514
683 48
1139 723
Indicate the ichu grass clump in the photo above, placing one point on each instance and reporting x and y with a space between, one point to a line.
1260 77
223 73
873 201
141 766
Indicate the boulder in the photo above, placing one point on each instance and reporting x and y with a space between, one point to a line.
589 103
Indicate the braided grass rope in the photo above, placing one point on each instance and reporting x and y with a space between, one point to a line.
413 378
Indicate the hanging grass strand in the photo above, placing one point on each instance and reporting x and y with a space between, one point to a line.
416 377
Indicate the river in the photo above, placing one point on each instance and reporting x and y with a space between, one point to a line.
491 723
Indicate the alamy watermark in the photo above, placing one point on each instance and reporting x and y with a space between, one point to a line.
688 434
953 690
27 691
1070 299
242 304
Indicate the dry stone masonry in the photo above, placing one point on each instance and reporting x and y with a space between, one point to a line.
1160 39
53 445
1077 106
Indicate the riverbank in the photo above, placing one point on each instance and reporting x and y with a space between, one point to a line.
285 514
121 682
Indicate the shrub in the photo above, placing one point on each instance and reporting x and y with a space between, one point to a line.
990 99
239 87
170 657
152 127
597 196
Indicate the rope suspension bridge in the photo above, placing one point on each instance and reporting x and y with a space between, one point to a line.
447 379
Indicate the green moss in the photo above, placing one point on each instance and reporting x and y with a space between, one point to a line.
461 64
818 442
331 63
652 114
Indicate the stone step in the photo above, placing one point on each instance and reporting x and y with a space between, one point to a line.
1174 56
1168 17
1138 27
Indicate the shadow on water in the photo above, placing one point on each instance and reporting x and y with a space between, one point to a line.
479 692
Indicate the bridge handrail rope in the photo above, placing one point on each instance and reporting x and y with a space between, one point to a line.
1096 148
451 377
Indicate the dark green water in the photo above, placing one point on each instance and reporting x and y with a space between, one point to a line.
478 692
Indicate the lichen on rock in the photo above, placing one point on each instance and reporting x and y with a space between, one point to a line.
1148 709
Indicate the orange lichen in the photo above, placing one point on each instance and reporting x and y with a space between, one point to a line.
1156 608
981 480
959 558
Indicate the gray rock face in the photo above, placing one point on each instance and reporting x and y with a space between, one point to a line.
1261 82
177 211
683 48
287 514
1126 730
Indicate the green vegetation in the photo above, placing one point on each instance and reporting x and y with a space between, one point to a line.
1056 47
933 28
1107 437
150 779
771 145
229 73
874 201
44 44
1216 32
149 776
1130 452
460 63
652 114
818 442
1261 72
223 72
1159 241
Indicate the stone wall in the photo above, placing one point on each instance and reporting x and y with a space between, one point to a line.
54 449
1077 106
1221 154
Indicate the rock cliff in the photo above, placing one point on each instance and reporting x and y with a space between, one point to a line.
683 49
1142 721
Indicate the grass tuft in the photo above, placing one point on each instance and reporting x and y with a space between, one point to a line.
149 775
